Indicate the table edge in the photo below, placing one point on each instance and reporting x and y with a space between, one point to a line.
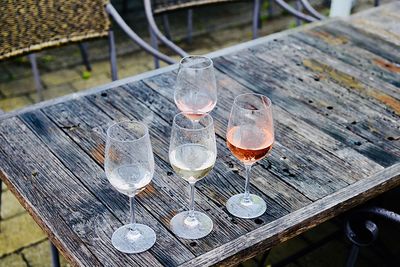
265 236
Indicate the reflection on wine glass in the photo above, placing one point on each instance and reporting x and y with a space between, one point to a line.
250 136
196 87
192 154
129 167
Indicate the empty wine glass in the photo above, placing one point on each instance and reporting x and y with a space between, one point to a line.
250 136
192 154
129 167
196 87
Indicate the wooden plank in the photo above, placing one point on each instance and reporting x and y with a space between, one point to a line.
365 40
80 225
370 122
382 22
213 189
345 50
83 167
274 187
266 79
288 226
290 163
86 111
122 100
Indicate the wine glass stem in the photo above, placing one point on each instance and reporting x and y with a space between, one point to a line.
191 206
132 218
194 123
246 197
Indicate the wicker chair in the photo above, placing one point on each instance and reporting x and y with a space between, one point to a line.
161 7
33 25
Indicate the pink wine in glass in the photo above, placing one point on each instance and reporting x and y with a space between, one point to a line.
195 107
249 143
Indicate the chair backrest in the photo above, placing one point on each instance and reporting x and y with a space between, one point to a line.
32 25
160 6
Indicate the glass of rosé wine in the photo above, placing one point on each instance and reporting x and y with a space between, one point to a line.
196 87
250 136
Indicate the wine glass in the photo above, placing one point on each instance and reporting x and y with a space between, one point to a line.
192 154
129 167
250 136
196 86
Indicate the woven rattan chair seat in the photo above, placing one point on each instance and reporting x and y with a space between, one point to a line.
30 25
160 6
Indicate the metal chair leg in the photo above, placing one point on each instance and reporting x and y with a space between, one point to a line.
55 257
136 38
83 47
36 75
113 55
256 15
190 25
376 2
150 19
154 44
167 29
299 8
270 9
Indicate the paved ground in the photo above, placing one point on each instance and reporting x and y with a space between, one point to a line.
22 243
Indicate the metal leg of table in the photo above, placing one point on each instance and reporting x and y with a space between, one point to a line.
263 261
352 258
55 257
376 2
83 47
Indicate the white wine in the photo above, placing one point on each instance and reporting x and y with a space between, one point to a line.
129 179
192 161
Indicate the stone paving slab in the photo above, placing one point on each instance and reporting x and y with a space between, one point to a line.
18 232
8 104
13 260
53 92
10 206
17 87
59 77
39 255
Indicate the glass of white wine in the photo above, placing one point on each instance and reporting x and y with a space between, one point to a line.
196 86
192 154
129 167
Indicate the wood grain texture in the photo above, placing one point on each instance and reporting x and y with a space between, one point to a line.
336 104
288 226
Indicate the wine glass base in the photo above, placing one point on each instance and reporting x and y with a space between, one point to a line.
195 230
133 242
253 209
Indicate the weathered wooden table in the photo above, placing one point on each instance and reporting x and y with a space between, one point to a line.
335 89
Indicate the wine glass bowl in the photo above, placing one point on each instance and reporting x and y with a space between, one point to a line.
196 87
250 137
129 167
192 154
